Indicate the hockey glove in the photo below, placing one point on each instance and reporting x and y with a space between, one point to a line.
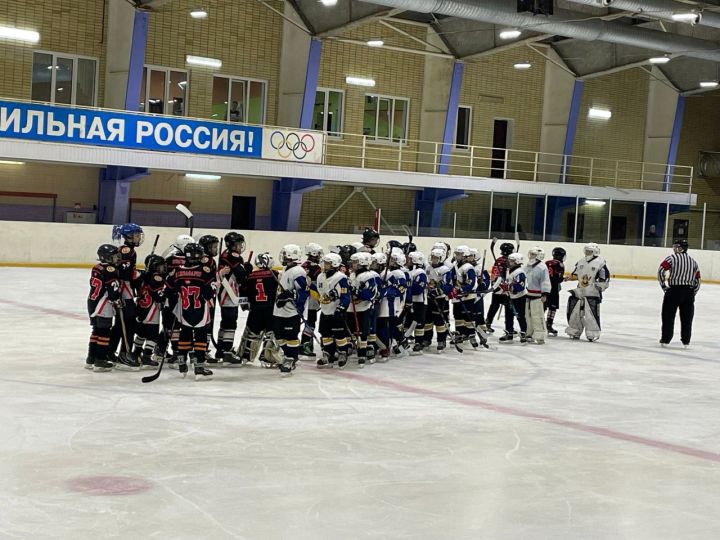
333 295
284 298
453 294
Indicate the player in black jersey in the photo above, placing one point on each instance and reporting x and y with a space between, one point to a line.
258 294
556 270
174 258
104 290
150 299
194 285
210 245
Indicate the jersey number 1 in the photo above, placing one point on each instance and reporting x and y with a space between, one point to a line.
186 293
260 288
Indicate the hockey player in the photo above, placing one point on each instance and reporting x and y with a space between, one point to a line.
538 289
583 309
234 269
463 296
314 253
258 294
104 290
370 239
174 257
498 274
194 284
378 265
556 271
363 288
418 290
211 245
151 297
514 287
394 286
483 287
290 305
133 237
334 291
440 283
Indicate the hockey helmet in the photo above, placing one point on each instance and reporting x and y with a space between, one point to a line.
155 264
417 258
183 240
193 253
559 253
363 259
680 245
409 247
109 254
474 254
536 254
370 237
506 248
263 260
379 260
516 259
591 249
210 244
397 258
392 244
314 251
345 253
290 253
132 233
437 255
235 242
461 252
332 260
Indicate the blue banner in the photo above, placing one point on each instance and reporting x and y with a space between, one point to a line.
53 123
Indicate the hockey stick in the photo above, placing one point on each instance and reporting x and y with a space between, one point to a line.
188 215
483 340
157 238
215 305
447 324
492 248
154 376
517 242
124 331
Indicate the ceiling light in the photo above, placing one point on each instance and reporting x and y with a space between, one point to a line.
594 202
8 162
659 59
522 65
708 84
8 32
691 17
194 176
375 43
202 61
510 34
360 81
602 114
198 14
328 3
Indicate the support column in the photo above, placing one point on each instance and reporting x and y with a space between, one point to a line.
429 202
288 192
114 193
451 118
137 61
572 126
674 141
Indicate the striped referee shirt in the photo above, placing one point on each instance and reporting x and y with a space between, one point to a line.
679 269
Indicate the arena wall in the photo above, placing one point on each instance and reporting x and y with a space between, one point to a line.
74 245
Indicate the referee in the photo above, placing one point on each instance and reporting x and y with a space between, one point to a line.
679 277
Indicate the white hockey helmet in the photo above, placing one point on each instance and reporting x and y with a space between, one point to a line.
440 245
536 253
397 257
437 253
333 259
474 253
314 250
263 260
357 245
417 258
516 259
591 249
183 240
379 259
362 259
290 253
462 251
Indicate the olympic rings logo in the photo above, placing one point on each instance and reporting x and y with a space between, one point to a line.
292 144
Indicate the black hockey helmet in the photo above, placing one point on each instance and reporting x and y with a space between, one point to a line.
370 237
346 252
409 247
680 245
506 248
155 264
107 253
210 244
392 244
193 253
233 238
559 253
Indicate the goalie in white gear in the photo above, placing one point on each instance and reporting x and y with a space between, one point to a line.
290 304
583 309
538 290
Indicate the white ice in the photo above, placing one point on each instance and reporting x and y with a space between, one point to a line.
615 439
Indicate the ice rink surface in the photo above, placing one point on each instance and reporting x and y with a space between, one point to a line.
577 440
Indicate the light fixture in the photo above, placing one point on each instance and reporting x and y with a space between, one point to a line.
195 176
328 3
8 32
708 84
198 14
522 65
375 43
9 162
594 202
510 34
202 61
602 114
659 60
692 17
359 81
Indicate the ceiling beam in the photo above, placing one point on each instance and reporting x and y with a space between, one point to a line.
391 47
303 17
507 47
409 35
362 21
549 58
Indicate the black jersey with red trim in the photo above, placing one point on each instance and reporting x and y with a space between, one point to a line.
556 269
104 289
195 287
151 297
260 288
312 269
127 271
239 270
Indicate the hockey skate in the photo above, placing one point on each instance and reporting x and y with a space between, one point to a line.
182 366
489 329
371 355
307 351
89 362
384 356
361 362
524 339
551 330
202 373
342 360
147 361
474 342
287 367
229 359
417 350
125 362
507 338
441 346
324 361
100 366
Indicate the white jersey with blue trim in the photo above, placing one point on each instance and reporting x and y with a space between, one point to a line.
290 280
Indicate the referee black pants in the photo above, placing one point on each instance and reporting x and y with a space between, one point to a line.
682 298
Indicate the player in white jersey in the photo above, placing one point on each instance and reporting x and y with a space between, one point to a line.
515 287
463 296
364 292
394 285
334 292
293 291
440 283
418 290
583 309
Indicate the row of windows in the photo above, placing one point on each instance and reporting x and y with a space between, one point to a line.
72 80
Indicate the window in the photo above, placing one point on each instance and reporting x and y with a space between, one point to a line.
386 118
328 111
238 100
163 91
65 79
462 127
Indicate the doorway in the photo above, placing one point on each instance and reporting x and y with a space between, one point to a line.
618 230
243 213
501 141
